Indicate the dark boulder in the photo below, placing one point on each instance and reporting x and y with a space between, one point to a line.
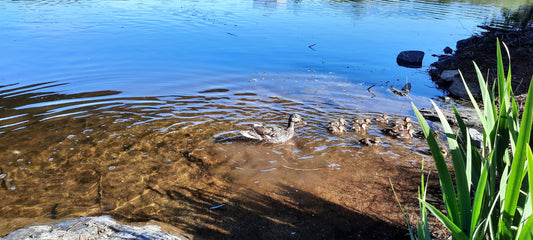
410 59
448 50
445 62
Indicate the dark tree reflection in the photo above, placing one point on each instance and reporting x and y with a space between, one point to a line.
514 19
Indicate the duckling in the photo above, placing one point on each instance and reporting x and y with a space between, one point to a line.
359 127
368 121
420 134
402 122
407 126
406 134
360 120
370 142
397 128
384 119
436 133
443 150
337 126
391 131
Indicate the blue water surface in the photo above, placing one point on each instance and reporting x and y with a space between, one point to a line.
164 48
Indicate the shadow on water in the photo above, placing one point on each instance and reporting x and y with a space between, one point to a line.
253 215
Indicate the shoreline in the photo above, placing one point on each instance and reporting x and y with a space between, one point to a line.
481 49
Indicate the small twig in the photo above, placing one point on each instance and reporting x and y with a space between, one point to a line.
368 89
304 170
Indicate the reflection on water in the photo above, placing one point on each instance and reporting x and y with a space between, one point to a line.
133 108
514 19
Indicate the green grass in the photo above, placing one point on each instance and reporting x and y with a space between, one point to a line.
490 195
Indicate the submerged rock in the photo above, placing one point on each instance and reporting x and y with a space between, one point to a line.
102 227
410 59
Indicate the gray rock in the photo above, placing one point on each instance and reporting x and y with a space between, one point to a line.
449 75
457 88
469 116
476 136
102 227
411 59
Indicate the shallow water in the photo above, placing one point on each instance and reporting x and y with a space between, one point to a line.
133 108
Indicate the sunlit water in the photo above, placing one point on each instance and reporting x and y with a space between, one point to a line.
132 108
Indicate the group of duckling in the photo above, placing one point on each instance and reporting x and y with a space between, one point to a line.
269 133
359 125
401 128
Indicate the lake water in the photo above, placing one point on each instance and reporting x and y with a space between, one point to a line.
132 108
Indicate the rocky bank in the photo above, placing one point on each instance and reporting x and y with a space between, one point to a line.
481 49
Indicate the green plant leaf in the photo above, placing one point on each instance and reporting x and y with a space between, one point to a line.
445 179
527 230
404 212
525 221
473 160
530 175
485 95
517 168
501 76
457 233
463 190
477 215
513 125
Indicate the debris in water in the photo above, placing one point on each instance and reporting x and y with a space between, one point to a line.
407 88
218 206
397 92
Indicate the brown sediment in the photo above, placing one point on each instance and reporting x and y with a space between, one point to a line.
209 187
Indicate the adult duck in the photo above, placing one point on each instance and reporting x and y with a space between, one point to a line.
270 133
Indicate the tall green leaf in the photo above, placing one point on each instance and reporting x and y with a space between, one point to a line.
478 199
457 233
463 190
516 173
448 188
